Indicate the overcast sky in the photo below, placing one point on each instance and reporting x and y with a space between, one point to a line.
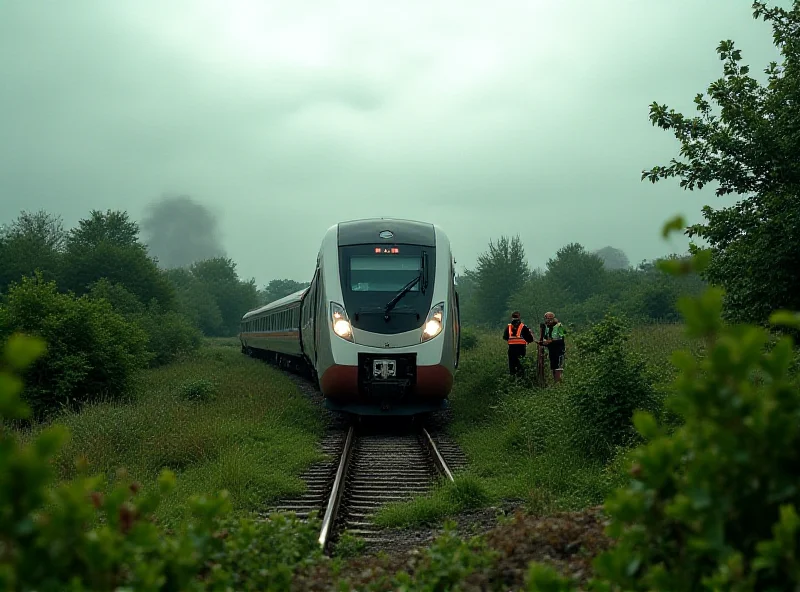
487 117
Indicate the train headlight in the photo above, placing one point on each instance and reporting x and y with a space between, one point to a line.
434 322
340 322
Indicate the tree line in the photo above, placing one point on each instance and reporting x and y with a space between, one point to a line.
578 285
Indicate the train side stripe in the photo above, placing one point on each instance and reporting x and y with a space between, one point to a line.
271 334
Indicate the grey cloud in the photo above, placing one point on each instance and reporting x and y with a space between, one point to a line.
488 118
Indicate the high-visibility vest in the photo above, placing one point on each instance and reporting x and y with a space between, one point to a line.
516 339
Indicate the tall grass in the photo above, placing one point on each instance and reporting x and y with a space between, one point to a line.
523 442
250 432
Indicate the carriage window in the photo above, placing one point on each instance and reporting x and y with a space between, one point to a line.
383 274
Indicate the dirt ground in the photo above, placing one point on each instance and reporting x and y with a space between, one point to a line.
566 541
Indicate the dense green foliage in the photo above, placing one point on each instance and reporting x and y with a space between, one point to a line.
232 296
610 385
169 333
713 504
469 338
93 351
196 302
747 144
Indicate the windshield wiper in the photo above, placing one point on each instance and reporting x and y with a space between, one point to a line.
423 271
406 289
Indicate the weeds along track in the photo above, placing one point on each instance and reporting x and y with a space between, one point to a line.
318 477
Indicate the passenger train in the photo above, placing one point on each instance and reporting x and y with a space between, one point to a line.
378 328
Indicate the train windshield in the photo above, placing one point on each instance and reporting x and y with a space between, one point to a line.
383 274
372 275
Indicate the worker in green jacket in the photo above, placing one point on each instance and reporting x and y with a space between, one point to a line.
554 333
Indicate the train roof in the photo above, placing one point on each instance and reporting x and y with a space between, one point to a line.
279 303
396 230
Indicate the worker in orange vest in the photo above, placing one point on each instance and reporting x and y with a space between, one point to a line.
518 336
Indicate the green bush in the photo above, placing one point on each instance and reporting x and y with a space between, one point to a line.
118 296
611 385
259 554
92 353
713 505
200 389
447 562
169 334
469 338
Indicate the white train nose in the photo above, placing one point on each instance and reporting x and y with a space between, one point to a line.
378 324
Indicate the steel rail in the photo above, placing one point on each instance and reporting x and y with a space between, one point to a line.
437 457
336 490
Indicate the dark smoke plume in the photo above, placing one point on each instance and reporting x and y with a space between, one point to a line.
180 231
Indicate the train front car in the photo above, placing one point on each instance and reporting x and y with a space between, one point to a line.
391 333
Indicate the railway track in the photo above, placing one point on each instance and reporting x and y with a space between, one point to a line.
368 467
